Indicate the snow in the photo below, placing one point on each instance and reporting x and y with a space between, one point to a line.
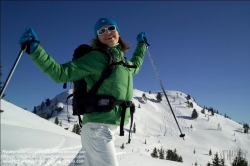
27 139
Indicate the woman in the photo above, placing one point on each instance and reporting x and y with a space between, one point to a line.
98 128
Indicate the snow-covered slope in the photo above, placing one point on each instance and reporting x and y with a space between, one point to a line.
26 134
152 119
27 139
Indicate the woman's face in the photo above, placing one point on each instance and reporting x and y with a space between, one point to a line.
109 38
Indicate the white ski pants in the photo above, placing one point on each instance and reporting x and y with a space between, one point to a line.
98 143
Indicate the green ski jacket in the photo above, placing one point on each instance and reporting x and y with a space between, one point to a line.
90 67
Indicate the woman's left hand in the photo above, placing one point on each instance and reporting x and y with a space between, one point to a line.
142 38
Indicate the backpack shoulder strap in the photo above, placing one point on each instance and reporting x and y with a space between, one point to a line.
112 60
106 72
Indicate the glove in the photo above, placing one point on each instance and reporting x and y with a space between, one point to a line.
30 38
141 38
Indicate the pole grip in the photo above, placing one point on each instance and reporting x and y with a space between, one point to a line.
25 45
146 41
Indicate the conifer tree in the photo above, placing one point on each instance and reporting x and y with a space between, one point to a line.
215 160
143 95
78 129
180 159
144 98
203 111
42 105
211 110
209 164
239 160
34 110
169 155
245 127
47 102
191 105
42 116
56 121
210 152
175 156
194 114
154 153
161 153
159 97
222 162
122 147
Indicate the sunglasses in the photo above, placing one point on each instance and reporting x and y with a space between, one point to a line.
103 30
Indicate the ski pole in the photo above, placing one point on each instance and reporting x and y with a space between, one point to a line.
157 75
23 48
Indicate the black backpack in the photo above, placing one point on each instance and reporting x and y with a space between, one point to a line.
80 86
87 102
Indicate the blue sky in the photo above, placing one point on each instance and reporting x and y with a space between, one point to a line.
199 48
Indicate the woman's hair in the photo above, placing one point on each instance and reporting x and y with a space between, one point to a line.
95 43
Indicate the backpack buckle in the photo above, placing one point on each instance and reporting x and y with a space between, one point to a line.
103 102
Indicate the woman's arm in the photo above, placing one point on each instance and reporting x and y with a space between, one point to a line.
92 63
138 57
